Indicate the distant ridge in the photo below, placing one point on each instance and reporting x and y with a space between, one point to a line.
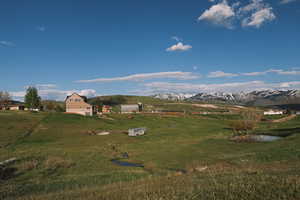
255 98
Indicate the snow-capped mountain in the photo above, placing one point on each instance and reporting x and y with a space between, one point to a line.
174 96
265 97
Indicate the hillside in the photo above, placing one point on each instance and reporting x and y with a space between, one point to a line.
125 99
58 158
156 104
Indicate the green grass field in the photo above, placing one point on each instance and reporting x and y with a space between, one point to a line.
188 157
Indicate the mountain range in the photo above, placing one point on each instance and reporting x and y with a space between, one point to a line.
255 98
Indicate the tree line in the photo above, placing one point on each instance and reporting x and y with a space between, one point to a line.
32 101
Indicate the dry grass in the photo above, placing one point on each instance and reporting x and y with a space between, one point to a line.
29 165
242 186
55 162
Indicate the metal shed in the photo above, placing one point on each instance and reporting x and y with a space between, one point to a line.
130 108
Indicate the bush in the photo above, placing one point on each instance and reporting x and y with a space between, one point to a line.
241 127
247 123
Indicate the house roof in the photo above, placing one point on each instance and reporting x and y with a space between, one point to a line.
83 97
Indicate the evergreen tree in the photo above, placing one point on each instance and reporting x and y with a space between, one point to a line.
32 99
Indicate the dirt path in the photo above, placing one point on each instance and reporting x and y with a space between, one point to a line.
284 119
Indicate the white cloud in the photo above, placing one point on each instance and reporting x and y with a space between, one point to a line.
42 86
177 39
256 13
54 94
289 84
259 18
164 87
88 92
46 86
138 77
41 28
219 14
189 87
286 1
7 44
277 71
179 47
254 5
281 72
218 74
18 95
254 73
195 67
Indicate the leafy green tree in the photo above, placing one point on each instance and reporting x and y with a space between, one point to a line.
32 99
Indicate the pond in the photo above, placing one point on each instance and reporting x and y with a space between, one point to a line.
264 138
255 138
125 163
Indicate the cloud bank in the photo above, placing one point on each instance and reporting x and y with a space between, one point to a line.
218 74
221 74
287 1
254 14
54 94
139 77
165 87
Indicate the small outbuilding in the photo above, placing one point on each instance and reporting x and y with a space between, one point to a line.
16 107
106 109
274 112
133 108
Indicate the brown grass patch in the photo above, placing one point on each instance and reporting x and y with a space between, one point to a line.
55 162
29 165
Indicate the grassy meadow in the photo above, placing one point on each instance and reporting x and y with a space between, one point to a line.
184 157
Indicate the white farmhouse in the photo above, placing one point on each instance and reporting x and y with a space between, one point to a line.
77 104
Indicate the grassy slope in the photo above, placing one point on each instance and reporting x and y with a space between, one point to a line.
172 144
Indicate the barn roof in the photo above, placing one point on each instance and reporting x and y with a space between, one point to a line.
83 97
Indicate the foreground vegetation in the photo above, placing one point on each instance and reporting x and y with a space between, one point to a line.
184 157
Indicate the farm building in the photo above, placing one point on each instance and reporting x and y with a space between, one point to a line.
12 107
273 112
16 107
78 104
106 109
134 108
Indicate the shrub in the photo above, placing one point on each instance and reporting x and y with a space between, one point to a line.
247 123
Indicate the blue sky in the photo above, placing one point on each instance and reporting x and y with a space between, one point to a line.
145 47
